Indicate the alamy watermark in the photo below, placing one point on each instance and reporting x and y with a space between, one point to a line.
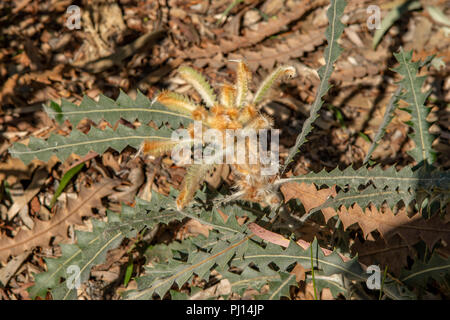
73 281
232 146
374 20
373 282
74 17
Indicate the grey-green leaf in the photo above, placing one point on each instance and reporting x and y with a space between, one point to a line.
388 115
81 144
332 52
124 107
413 95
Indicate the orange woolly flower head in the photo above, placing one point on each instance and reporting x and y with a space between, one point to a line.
233 111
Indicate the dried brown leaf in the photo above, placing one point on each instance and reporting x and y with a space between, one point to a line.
250 38
223 287
7 90
309 196
72 214
347 71
326 294
278 239
193 228
412 230
300 272
11 268
14 170
215 176
388 224
268 56
392 254
36 185
127 193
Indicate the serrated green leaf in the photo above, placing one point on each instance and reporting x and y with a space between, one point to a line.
388 115
334 283
279 287
367 196
413 95
56 269
175 295
437 268
92 246
112 111
250 278
331 264
81 144
160 278
332 52
90 250
425 178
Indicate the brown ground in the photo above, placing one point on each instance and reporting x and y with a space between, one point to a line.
133 45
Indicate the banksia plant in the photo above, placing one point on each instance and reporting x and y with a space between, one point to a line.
232 114
251 252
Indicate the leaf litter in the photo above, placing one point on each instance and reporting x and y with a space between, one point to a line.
138 46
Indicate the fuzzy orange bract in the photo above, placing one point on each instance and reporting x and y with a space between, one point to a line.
232 112
199 114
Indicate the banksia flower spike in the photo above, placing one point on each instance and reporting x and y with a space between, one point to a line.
200 85
176 102
227 96
243 77
233 111
268 83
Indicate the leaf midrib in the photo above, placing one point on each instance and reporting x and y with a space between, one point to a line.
416 105
88 142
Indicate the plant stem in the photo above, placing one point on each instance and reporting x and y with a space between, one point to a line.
382 283
312 273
